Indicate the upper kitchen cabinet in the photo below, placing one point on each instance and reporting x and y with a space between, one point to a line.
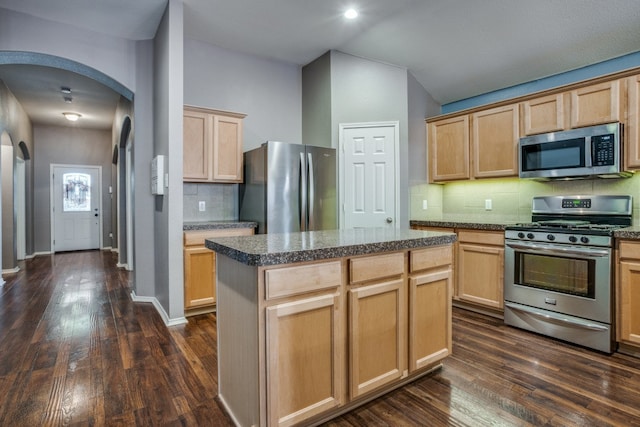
491 135
632 131
212 145
448 143
585 106
495 142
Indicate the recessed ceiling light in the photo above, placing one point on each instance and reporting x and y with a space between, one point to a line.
351 14
72 117
65 90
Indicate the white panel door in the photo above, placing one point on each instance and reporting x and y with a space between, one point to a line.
369 175
76 208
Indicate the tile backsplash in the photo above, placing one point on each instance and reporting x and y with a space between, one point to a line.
510 198
221 202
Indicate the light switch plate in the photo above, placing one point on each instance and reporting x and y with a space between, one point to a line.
202 206
424 204
487 204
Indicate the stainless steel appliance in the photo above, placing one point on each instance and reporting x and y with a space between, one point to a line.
577 153
289 187
559 268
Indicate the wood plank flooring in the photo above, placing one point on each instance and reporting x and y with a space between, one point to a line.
75 350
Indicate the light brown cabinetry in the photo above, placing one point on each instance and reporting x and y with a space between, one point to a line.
430 284
495 142
326 336
449 149
590 105
489 137
200 268
212 145
628 292
481 268
377 322
304 344
632 131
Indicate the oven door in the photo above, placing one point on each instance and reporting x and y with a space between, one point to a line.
572 280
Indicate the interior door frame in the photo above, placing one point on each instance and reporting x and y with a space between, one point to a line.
396 163
20 208
52 167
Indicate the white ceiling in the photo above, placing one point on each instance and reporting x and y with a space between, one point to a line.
455 48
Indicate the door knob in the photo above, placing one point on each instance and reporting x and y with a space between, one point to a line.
389 220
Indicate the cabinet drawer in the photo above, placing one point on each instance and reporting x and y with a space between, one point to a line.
196 237
375 267
423 259
281 282
630 250
482 237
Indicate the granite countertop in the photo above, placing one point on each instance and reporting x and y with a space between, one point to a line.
273 249
215 225
631 233
470 224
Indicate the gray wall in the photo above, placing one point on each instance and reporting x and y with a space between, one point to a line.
421 105
316 102
131 64
168 136
17 125
70 146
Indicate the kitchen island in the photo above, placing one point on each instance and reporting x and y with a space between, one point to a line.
313 324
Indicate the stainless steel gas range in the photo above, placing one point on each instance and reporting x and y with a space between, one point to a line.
559 268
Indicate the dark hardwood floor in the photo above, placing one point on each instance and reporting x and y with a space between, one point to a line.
75 350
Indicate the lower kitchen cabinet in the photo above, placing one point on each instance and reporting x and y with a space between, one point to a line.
628 291
329 335
377 322
200 268
481 268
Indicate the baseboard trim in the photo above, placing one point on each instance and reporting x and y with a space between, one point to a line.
11 270
35 254
163 314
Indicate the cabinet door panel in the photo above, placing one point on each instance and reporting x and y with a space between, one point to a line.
196 154
630 302
304 364
495 142
429 318
632 137
199 277
377 349
595 104
448 147
227 149
480 275
545 114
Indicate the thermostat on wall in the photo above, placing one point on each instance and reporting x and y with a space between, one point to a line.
157 175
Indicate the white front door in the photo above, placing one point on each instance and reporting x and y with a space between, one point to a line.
369 174
75 203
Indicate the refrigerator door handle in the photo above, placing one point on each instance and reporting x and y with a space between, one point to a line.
311 194
303 193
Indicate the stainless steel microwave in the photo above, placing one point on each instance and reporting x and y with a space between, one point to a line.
594 151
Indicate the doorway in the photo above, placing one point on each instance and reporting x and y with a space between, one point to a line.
369 174
76 207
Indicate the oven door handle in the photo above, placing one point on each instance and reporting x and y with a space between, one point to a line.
557 317
546 250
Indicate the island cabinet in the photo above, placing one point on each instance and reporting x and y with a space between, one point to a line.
200 269
212 145
302 342
628 293
479 145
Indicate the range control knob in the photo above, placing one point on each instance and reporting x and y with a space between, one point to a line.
573 239
584 239
521 235
530 235
551 237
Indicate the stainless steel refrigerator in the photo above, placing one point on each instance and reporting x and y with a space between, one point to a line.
289 187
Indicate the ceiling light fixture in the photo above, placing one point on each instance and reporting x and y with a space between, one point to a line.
72 117
68 99
65 90
351 14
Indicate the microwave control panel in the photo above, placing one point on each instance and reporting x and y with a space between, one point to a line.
603 150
